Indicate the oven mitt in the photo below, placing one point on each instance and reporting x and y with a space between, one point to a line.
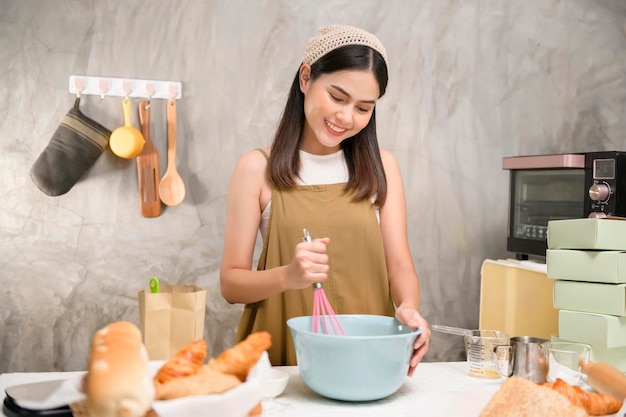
72 150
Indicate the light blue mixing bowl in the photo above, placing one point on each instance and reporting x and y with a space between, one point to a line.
369 363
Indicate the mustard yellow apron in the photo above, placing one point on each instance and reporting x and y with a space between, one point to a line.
357 282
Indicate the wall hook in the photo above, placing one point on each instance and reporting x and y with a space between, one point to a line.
149 93
103 87
173 89
79 86
127 88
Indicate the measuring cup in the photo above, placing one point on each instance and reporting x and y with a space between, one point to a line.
488 353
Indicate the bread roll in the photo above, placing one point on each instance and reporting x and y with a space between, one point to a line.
605 378
118 383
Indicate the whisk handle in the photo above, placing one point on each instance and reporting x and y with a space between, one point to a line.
307 238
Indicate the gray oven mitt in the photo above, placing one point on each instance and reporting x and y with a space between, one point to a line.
72 150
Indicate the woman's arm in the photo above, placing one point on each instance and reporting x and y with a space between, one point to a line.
403 280
238 282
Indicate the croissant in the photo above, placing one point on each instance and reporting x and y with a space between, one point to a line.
595 403
240 358
186 362
200 384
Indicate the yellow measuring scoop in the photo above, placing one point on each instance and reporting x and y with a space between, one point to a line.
126 141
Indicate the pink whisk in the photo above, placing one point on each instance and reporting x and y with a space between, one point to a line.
322 311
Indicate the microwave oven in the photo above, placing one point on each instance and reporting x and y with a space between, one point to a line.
560 186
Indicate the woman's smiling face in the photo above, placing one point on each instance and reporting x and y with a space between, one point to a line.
337 106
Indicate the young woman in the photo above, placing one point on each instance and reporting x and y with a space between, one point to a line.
324 172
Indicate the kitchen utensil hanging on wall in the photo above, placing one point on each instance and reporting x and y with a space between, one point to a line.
126 141
172 187
148 174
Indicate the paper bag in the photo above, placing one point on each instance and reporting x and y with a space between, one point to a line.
171 319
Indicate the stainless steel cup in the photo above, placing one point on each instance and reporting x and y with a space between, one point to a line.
529 358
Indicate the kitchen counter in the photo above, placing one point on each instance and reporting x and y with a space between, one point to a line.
437 389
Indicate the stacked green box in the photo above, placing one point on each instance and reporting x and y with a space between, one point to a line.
587 260
587 234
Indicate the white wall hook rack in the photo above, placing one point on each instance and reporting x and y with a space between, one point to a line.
125 87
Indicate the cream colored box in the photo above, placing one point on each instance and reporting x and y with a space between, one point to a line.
516 297
594 329
599 234
590 297
586 265
613 356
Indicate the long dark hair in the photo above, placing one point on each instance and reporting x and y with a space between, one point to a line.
365 167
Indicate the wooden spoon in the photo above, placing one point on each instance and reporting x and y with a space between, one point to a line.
148 173
172 187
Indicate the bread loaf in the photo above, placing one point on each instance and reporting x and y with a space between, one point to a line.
118 383
520 397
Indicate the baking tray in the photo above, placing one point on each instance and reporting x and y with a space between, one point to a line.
11 409
21 400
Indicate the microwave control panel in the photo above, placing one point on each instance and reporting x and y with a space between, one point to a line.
606 184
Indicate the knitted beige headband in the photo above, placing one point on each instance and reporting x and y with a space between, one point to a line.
335 36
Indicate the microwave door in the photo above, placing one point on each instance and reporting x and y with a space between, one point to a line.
538 196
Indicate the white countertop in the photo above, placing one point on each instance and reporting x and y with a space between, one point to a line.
437 389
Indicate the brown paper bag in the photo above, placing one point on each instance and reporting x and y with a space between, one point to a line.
171 319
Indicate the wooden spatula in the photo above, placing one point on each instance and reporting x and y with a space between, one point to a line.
148 174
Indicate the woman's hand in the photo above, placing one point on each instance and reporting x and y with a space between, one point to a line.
309 264
412 318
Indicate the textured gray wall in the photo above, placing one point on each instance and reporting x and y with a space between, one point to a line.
470 82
